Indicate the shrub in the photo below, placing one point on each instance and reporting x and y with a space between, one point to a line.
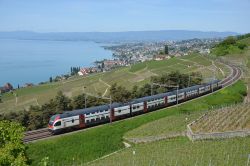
12 149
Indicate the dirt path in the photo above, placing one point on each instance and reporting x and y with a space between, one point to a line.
104 82
127 145
222 72
105 92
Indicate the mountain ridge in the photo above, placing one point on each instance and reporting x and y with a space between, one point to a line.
126 36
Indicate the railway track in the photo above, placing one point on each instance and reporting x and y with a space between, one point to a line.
36 135
44 133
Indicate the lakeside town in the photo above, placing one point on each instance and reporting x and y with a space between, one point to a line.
131 53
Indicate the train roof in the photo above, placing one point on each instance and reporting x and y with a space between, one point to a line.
89 110
161 95
153 97
147 98
213 82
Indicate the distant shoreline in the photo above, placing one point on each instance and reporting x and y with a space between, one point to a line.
22 60
109 37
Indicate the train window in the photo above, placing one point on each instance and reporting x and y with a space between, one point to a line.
119 111
87 121
138 106
58 123
134 107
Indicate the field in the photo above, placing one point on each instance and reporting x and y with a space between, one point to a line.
181 151
137 74
89 145
236 117
169 126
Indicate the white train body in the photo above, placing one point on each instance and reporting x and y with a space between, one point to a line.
103 114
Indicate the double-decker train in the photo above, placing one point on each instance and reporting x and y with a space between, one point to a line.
87 117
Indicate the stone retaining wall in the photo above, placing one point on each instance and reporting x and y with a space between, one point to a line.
155 138
215 135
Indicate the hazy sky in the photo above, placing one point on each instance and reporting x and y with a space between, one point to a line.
124 15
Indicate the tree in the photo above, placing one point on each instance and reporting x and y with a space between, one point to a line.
12 148
134 93
166 49
62 102
119 93
229 41
196 78
241 46
145 90
79 101
161 53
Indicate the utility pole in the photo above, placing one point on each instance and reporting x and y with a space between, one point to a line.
85 96
189 79
152 89
177 96
110 109
85 100
213 81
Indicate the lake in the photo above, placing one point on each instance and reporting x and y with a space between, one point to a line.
34 61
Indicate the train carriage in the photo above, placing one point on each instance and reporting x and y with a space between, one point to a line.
137 107
82 117
122 111
102 114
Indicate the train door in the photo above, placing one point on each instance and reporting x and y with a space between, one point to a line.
81 121
145 107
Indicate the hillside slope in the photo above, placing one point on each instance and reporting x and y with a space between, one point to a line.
82 147
100 83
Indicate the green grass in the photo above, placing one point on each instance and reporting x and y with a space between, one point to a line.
139 74
166 126
225 50
29 90
91 144
246 41
181 151
137 67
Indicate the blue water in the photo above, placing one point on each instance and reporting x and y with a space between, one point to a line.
34 61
